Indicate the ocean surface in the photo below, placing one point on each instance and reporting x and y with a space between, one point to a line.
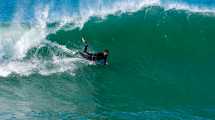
161 63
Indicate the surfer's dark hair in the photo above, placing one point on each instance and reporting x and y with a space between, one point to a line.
106 50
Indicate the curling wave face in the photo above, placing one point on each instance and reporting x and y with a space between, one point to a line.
25 25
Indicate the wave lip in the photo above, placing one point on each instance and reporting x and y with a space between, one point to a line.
102 9
192 8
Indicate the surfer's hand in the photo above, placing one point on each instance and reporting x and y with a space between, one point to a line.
84 41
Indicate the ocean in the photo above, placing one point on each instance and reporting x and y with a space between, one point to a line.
161 63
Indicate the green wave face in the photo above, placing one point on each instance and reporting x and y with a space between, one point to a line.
157 57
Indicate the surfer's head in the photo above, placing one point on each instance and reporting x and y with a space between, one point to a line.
106 52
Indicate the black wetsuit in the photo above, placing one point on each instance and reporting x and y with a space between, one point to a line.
94 56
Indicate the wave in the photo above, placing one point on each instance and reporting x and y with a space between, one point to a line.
30 29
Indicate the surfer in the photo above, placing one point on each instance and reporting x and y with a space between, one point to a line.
100 57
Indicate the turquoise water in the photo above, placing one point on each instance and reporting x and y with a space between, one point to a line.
161 64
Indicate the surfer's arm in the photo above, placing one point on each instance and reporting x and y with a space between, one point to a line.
85 47
105 61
